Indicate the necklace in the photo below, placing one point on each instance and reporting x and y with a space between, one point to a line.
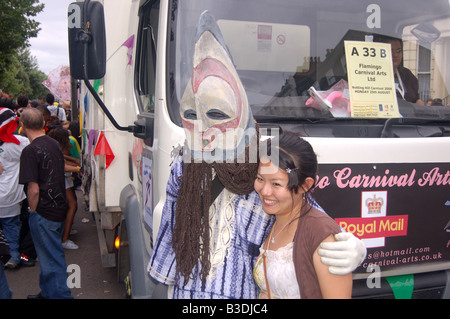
273 237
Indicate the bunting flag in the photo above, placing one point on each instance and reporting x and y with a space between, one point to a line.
103 148
92 136
84 138
96 85
129 43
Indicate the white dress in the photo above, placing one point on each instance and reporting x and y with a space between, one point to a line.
280 273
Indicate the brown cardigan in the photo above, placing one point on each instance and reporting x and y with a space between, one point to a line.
313 227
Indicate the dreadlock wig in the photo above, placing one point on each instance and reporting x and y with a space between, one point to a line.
191 231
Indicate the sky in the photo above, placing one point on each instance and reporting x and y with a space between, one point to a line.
50 47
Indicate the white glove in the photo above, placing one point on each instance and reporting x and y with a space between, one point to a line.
344 255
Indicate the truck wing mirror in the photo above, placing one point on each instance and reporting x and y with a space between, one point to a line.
87 51
87 42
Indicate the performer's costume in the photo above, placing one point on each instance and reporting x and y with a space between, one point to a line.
201 252
238 227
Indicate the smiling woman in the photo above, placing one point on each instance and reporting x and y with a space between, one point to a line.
288 265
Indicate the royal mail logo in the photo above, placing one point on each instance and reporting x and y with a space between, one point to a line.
374 205
375 227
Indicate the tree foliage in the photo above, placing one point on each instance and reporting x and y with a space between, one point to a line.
18 69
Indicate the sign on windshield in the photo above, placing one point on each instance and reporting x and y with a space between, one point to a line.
267 46
371 80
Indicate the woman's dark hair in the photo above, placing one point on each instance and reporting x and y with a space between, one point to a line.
297 157
61 135
53 122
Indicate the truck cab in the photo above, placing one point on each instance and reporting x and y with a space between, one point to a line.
327 69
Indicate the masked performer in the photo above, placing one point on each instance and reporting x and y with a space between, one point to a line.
212 223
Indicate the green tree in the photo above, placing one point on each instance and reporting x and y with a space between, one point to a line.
30 76
38 90
17 26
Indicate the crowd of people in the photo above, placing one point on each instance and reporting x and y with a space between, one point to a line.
39 172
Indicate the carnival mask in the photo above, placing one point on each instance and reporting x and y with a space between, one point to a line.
214 108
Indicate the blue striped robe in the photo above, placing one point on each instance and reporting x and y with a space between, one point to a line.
238 227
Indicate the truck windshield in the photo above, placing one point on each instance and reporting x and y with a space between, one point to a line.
292 61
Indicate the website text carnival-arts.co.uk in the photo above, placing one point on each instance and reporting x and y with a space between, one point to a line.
401 256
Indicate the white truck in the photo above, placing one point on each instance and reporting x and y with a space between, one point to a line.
318 67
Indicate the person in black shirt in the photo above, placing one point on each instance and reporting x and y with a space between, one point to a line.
42 171
406 83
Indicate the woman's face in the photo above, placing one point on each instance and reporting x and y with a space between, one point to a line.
397 53
271 186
